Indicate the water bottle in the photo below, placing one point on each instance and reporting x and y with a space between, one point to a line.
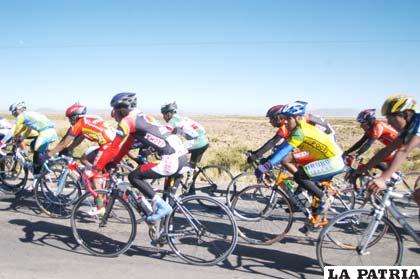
288 184
140 202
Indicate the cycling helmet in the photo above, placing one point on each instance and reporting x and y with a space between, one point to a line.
169 107
396 104
273 111
366 115
297 108
16 106
76 109
124 100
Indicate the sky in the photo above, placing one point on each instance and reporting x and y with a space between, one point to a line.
212 57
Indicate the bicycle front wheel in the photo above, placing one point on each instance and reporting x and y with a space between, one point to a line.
264 216
55 200
339 242
238 183
201 230
107 235
13 175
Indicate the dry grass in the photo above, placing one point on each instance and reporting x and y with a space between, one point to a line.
231 136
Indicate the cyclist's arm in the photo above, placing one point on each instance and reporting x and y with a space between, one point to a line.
76 142
281 152
358 144
365 146
401 156
119 147
63 144
268 146
382 154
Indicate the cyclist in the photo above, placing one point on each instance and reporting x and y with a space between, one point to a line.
400 112
83 126
194 133
277 120
326 155
147 130
5 130
374 130
30 122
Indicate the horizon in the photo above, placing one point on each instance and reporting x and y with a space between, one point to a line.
212 57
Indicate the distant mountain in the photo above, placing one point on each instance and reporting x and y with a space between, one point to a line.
336 112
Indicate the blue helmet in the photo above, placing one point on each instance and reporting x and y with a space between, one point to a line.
124 100
297 108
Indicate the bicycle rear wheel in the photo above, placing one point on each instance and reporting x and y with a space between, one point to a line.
201 230
264 216
211 181
339 241
13 175
103 235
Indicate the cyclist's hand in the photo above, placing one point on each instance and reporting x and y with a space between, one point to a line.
262 169
377 184
251 158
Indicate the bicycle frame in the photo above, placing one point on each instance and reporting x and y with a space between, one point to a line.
379 212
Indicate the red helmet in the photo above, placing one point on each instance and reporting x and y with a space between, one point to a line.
273 111
76 110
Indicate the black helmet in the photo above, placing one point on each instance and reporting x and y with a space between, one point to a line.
124 100
170 107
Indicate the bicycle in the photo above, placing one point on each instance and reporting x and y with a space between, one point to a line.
368 237
407 181
61 184
264 211
14 169
190 226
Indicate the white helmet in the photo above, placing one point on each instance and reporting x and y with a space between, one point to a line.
16 106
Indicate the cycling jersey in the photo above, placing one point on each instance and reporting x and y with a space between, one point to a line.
94 128
146 130
413 129
382 132
34 124
33 120
192 131
308 138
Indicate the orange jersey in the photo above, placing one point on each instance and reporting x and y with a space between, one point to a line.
94 129
382 132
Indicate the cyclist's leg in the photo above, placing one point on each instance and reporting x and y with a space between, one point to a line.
168 166
196 156
319 171
40 145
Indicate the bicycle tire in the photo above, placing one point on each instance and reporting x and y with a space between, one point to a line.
13 169
217 230
56 205
329 241
93 239
272 209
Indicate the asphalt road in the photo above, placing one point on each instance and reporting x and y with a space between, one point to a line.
36 246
